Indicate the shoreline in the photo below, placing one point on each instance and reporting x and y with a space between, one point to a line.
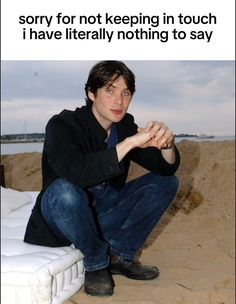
21 141
178 138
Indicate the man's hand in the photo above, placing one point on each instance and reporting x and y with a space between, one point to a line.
160 135
143 137
155 134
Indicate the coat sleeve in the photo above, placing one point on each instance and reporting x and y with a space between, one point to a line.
68 160
152 160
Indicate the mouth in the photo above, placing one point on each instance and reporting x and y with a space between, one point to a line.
117 112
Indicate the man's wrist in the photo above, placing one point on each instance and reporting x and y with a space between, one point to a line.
169 154
130 142
124 147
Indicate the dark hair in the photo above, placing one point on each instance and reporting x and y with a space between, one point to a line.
105 72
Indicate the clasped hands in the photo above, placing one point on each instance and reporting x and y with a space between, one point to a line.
155 134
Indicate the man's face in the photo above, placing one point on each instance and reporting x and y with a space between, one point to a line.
111 102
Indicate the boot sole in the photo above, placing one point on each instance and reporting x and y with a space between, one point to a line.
135 277
95 294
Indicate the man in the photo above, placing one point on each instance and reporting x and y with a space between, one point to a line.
85 199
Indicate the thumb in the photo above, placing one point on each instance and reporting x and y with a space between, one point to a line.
148 126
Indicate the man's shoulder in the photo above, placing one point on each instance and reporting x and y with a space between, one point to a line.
67 116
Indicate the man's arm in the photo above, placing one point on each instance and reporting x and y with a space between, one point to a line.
136 141
156 135
151 147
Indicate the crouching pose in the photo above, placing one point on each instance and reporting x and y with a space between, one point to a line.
85 199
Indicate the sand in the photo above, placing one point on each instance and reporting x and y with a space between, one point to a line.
194 243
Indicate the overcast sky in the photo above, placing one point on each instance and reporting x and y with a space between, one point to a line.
189 96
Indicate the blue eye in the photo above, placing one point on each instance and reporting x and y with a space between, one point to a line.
109 91
126 93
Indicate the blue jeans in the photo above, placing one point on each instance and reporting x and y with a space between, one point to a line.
117 220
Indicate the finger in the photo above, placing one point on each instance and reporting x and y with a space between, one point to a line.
161 132
157 126
166 139
148 126
167 145
171 140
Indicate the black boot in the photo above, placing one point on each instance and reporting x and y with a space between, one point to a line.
99 283
133 269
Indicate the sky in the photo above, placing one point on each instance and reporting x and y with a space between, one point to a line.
189 96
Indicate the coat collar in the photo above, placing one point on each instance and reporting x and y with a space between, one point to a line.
90 124
94 129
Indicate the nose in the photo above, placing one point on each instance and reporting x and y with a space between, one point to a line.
118 98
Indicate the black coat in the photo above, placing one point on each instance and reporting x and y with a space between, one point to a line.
75 149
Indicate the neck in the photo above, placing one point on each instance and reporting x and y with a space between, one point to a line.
107 127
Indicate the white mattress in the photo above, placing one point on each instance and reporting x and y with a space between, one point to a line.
33 274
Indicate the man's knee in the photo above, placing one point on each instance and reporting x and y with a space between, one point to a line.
171 180
67 193
167 185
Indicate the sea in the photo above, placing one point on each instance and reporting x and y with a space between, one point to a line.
14 148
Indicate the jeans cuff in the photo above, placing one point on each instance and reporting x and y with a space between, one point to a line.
124 255
90 266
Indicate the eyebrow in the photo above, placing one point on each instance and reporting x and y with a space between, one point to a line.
110 85
114 86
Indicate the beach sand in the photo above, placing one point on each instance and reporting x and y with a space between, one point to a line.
194 243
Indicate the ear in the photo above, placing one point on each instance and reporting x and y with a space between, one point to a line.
91 95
